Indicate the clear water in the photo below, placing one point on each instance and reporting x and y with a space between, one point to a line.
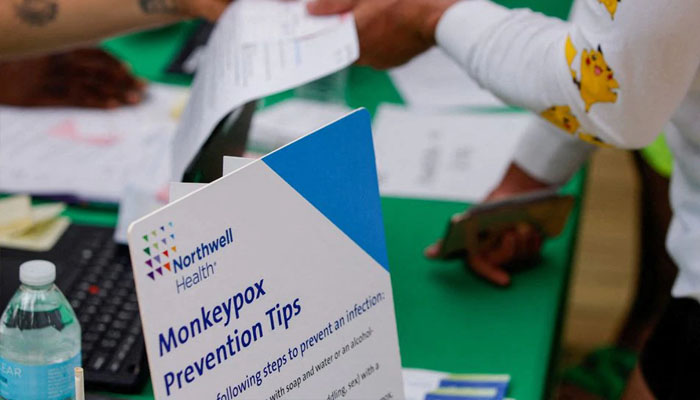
39 330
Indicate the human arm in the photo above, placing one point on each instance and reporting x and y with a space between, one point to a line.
36 26
616 76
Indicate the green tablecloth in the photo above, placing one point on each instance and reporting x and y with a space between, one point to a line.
447 319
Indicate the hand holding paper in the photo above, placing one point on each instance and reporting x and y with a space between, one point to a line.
259 47
391 32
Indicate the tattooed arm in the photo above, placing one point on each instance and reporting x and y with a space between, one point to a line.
32 26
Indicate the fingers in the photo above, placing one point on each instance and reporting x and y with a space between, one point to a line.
489 271
433 251
531 238
522 243
505 251
528 241
213 10
96 79
479 264
327 7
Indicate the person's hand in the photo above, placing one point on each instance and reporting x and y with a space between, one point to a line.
522 243
391 32
208 9
79 78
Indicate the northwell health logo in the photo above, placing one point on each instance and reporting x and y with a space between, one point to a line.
189 267
160 249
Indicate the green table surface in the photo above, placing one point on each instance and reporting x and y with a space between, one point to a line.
447 319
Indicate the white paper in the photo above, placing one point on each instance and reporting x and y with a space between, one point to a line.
92 154
232 163
433 80
446 156
257 48
179 190
147 194
143 194
282 123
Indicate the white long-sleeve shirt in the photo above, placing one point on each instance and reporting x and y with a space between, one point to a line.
615 74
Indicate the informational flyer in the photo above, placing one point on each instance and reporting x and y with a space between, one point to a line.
273 281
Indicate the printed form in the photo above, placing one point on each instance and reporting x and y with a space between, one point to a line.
45 151
259 47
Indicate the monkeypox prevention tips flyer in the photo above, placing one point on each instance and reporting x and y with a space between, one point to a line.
273 281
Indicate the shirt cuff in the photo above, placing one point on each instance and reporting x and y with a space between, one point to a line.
549 154
462 25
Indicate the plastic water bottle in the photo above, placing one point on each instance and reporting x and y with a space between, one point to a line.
39 339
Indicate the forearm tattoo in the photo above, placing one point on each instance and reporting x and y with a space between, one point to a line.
37 12
158 6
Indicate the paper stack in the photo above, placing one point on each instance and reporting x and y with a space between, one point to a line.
27 227
420 384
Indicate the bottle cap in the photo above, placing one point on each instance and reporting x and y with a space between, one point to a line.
37 273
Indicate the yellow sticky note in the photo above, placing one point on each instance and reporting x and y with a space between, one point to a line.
40 237
15 213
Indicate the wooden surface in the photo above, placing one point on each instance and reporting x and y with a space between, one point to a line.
605 263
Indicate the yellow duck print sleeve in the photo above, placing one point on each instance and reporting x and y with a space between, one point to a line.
612 75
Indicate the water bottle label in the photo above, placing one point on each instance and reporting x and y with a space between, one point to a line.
38 382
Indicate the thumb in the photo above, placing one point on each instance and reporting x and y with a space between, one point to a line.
326 7
489 271
213 10
433 251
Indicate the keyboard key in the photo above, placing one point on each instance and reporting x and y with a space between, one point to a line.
109 309
108 344
84 319
86 254
80 296
91 337
121 355
97 361
114 335
94 300
119 324
114 275
114 366
115 301
125 315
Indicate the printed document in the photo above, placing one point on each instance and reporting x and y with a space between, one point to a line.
443 155
259 47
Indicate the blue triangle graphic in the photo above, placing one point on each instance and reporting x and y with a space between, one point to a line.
335 170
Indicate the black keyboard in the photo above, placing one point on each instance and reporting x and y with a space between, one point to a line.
95 275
